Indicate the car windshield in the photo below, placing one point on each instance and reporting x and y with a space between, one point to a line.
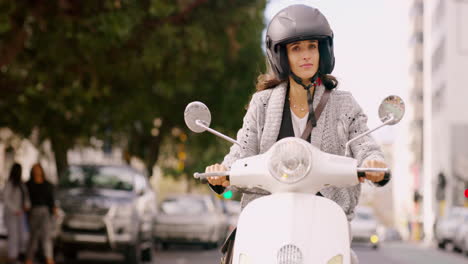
364 216
454 213
183 206
114 178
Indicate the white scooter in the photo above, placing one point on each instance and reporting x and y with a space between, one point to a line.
292 225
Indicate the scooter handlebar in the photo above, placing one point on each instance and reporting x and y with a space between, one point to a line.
202 176
362 172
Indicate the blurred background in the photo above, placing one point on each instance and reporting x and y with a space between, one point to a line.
97 89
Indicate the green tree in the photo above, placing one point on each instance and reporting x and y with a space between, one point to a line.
108 69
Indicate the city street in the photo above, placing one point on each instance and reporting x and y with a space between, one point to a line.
115 114
390 253
404 253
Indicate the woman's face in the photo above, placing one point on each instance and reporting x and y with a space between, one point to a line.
303 57
37 174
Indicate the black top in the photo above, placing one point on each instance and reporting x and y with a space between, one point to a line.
41 194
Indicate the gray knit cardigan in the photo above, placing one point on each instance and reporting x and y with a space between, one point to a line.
341 120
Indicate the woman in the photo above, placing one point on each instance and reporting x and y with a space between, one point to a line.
16 201
299 44
42 207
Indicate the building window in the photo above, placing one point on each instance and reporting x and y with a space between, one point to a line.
438 99
438 56
417 67
417 9
438 15
417 38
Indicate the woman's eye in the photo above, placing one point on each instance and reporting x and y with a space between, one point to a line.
313 46
295 48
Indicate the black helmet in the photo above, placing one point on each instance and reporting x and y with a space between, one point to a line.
298 22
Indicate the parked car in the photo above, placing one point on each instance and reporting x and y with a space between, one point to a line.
232 209
191 218
391 234
364 227
106 208
446 227
460 241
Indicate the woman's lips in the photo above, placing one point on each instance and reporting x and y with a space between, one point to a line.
307 65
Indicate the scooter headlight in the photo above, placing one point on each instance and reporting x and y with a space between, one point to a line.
290 160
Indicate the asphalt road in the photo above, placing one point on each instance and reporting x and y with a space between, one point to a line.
388 253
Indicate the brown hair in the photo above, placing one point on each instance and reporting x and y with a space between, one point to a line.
15 174
269 80
31 176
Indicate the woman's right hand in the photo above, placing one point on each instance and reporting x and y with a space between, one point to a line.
217 180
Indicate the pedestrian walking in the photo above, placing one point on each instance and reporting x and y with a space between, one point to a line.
16 201
41 194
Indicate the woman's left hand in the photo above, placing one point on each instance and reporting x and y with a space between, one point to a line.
374 176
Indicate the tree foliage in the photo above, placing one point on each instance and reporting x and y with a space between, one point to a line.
108 69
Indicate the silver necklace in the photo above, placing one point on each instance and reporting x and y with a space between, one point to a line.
301 107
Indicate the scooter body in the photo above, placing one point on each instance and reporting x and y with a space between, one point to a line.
292 225
292 228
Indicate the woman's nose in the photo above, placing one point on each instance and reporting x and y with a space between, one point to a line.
306 56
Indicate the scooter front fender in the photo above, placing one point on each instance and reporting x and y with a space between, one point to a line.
292 228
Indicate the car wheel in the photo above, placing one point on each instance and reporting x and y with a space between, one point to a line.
465 248
164 245
441 245
133 255
375 247
70 254
147 251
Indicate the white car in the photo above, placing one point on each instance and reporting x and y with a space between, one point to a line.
106 207
232 210
460 240
364 227
446 227
192 219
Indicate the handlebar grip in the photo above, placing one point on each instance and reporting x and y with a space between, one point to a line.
205 180
388 174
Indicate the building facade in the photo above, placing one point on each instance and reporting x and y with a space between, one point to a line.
445 137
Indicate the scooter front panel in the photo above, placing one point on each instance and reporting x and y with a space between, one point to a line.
291 228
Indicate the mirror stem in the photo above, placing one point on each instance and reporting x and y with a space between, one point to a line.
216 133
391 118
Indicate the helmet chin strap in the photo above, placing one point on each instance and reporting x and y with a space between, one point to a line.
310 97
298 80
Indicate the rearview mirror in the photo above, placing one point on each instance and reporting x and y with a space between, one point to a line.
391 111
392 106
197 111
